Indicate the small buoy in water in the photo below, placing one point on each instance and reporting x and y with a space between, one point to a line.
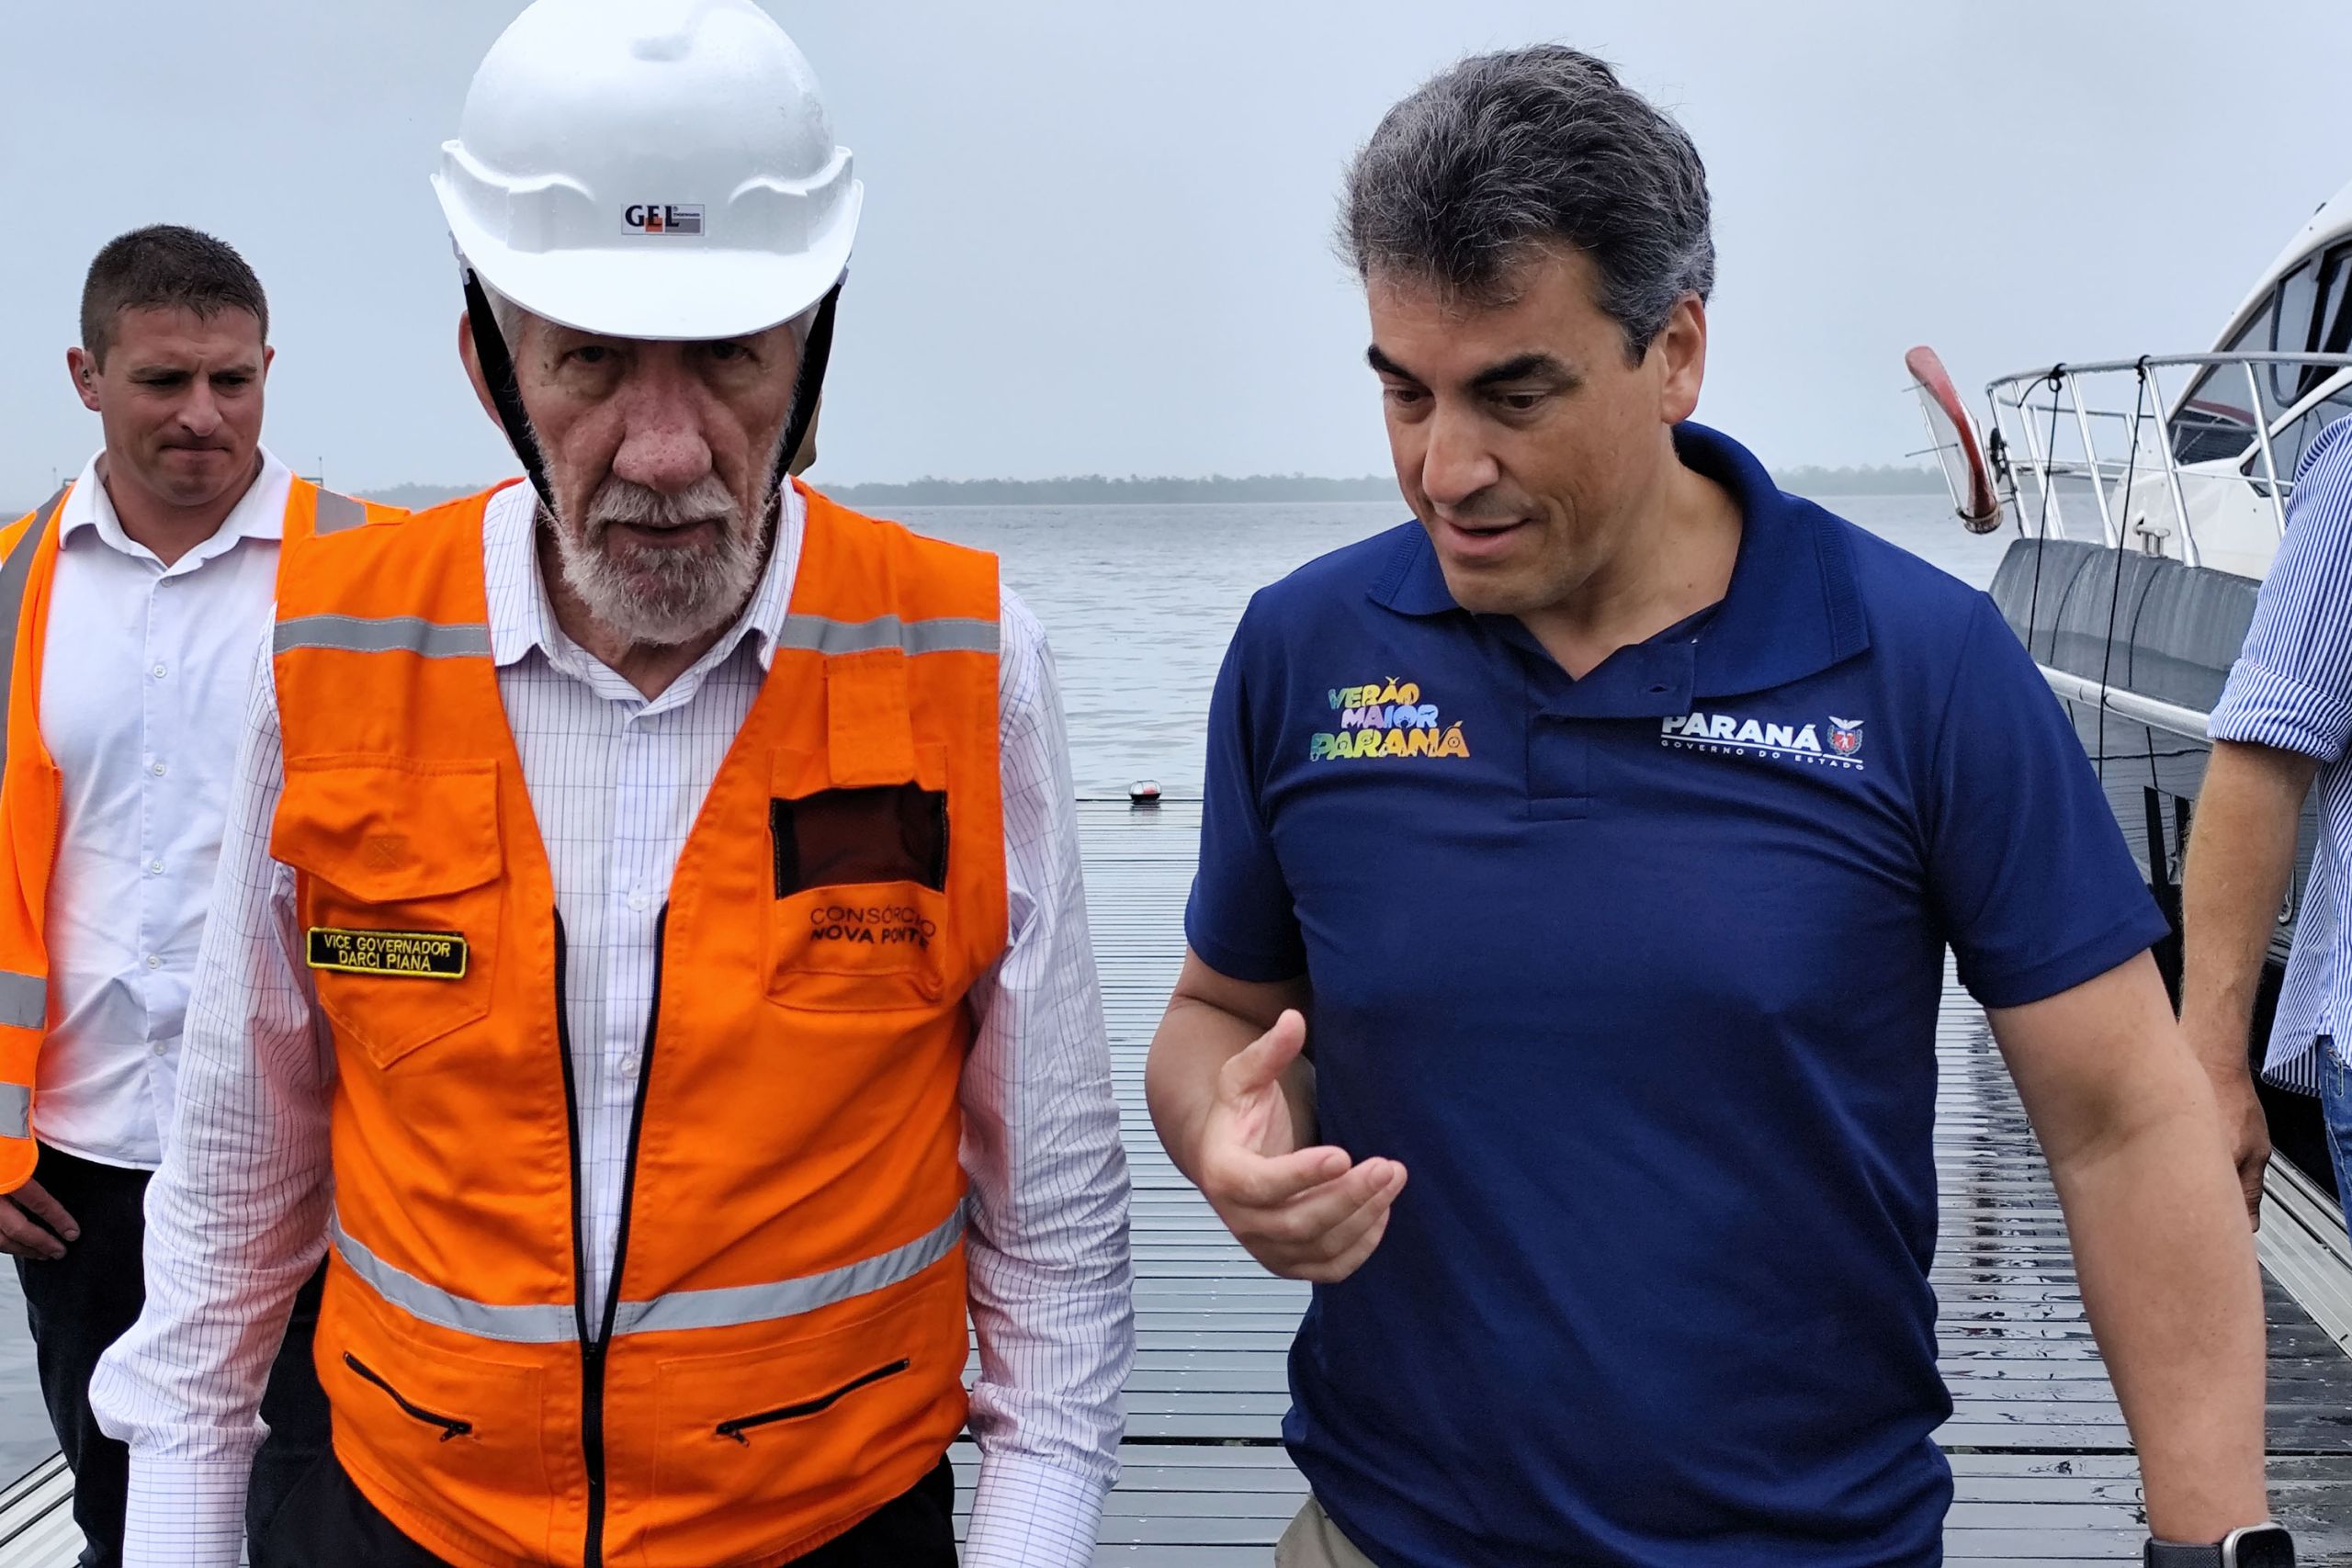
1144 792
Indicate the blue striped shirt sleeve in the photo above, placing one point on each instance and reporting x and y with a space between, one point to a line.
2291 687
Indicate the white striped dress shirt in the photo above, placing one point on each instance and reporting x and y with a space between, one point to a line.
2291 689
236 1218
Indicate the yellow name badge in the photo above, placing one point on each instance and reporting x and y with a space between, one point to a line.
410 955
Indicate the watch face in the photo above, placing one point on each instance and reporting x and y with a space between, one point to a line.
2267 1548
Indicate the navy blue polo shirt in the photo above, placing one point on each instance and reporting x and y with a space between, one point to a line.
1638 976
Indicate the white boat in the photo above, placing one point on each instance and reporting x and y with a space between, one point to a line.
2147 498
2188 457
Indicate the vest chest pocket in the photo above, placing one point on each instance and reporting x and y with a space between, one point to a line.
859 920
400 893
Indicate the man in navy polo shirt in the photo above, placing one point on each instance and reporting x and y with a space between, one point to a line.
1610 823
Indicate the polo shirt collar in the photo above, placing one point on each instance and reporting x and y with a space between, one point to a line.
1792 609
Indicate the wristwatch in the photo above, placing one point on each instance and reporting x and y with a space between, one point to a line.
2266 1545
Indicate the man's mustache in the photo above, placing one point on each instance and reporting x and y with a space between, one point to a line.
620 501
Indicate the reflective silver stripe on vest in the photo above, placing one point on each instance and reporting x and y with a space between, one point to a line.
727 1308
15 1111
515 1325
337 513
14 572
789 1298
24 1001
818 634
388 634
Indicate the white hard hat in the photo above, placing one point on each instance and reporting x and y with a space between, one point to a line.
651 169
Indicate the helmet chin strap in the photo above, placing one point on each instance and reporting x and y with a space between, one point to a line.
815 355
506 394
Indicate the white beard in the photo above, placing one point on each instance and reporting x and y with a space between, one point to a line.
658 596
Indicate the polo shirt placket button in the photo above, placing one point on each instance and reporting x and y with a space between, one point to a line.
1559 768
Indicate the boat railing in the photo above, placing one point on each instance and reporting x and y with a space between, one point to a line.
2073 445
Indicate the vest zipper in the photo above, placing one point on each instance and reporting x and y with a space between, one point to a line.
742 1424
450 1425
593 1347
591 1358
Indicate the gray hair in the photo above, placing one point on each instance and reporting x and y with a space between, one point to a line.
1504 154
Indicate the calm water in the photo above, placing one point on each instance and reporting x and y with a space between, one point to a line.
1140 603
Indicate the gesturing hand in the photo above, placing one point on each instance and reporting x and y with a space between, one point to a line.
24 1213
1304 1213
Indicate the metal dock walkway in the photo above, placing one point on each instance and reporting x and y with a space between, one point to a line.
2045 1469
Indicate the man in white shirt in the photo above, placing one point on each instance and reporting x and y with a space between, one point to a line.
589 862
133 602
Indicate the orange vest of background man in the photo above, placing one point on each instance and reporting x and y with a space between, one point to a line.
784 1345
30 793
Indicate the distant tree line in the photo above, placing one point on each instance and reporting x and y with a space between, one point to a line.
1098 489
416 498
1868 478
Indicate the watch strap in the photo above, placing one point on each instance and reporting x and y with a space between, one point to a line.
2266 1545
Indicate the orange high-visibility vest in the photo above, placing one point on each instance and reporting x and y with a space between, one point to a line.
785 1342
31 794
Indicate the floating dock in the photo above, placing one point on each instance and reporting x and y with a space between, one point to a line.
2044 1466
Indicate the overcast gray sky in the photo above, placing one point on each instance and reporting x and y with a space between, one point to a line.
1097 235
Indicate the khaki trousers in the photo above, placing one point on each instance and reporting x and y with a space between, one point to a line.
1314 1542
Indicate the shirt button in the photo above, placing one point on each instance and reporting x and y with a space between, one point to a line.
627 1066
154 868
159 770
159 1047
158 671
155 961
640 900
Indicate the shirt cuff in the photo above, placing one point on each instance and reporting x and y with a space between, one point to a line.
2268 708
1257 967
1029 1513
184 1513
2120 943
